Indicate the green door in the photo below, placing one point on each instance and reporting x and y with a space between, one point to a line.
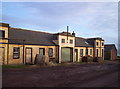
76 55
65 55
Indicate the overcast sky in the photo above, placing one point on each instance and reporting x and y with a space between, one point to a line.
86 19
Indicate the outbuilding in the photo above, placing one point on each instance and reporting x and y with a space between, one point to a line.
110 52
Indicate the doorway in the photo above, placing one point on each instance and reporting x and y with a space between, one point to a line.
76 55
28 58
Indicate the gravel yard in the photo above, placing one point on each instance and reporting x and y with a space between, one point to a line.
69 75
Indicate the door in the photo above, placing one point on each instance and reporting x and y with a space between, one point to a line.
2 55
66 57
76 55
28 55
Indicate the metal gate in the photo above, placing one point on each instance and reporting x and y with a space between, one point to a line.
28 55
2 55
66 54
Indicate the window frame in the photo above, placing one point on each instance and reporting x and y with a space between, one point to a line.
2 34
102 52
102 43
81 52
91 52
97 43
43 51
97 52
71 41
62 40
49 52
16 51
86 51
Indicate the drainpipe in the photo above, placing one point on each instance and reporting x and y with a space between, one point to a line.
8 51
23 50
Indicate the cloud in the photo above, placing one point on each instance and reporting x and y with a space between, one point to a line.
87 19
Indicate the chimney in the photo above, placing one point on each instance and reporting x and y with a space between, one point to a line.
73 33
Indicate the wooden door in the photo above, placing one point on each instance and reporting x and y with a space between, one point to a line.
28 55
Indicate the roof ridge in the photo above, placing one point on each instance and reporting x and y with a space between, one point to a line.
81 37
31 30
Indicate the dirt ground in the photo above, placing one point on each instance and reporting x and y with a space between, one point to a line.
69 75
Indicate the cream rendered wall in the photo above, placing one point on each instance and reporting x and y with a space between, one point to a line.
99 47
60 37
66 44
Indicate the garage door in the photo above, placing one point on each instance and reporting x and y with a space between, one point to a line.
1 55
65 55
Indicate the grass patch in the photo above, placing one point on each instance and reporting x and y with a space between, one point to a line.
79 62
14 66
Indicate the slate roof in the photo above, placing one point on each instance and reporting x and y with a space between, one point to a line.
31 37
109 47
81 42
17 35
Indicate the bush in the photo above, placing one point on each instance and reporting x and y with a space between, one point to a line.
90 58
84 59
95 59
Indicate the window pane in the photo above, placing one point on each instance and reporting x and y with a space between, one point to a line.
50 52
2 33
97 43
63 40
81 52
42 51
16 52
71 41
102 44
86 51
102 52
90 51
97 52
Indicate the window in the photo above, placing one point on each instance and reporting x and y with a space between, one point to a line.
102 44
16 53
71 41
42 51
102 52
81 52
97 43
90 51
2 33
97 52
63 40
86 51
50 52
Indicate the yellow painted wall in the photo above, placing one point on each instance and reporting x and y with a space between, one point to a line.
84 52
15 61
66 44
99 47
35 50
